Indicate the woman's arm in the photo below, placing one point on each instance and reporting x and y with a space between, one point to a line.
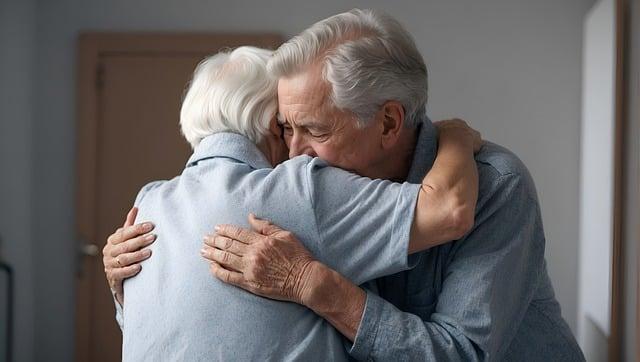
446 204
273 263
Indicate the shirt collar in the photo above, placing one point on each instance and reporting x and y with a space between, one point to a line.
425 152
229 145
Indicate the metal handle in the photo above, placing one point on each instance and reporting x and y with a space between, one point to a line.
85 249
89 250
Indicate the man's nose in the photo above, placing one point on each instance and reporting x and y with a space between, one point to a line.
299 147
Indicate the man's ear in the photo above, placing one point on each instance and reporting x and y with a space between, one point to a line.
392 121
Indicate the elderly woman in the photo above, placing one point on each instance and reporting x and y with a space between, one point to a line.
360 228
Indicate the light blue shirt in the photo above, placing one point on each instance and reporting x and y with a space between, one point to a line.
176 310
485 297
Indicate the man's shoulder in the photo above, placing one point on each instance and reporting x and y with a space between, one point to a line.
502 176
500 160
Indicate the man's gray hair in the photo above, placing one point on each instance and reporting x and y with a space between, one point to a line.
230 92
368 59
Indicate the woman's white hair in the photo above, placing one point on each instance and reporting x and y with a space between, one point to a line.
368 59
230 92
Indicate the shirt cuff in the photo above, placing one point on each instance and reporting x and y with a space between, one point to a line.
367 331
401 231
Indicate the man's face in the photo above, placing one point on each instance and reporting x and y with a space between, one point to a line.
314 127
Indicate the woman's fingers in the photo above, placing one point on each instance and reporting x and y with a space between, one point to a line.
127 259
133 244
224 243
223 258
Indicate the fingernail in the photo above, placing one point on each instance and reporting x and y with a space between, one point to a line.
217 228
147 226
146 252
150 237
202 251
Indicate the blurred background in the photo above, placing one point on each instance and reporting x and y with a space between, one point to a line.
515 70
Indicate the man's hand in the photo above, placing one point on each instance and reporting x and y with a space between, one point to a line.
124 251
270 262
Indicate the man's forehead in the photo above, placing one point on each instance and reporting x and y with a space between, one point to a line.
303 121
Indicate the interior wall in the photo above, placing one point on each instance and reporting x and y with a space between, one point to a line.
511 68
17 45
596 179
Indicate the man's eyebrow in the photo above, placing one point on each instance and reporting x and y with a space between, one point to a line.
312 124
303 123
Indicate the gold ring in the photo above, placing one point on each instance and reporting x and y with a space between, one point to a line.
118 261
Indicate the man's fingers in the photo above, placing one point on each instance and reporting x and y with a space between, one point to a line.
133 244
223 258
225 243
121 274
131 217
264 227
238 233
131 258
129 232
225 275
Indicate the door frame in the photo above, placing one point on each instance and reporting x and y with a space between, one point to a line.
91 47
615 350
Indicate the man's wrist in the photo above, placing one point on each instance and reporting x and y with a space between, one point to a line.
315 277
335 298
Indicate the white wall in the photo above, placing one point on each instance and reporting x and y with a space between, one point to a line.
512 68
17 45
596 180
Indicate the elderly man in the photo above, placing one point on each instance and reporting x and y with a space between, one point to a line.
175 311
344 85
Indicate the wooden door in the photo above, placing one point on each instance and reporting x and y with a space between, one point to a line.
130 88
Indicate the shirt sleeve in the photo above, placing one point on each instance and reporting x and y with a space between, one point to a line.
364 225
489 284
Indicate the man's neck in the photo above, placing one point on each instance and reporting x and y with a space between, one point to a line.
397 162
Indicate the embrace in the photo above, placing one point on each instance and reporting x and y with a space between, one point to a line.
322 216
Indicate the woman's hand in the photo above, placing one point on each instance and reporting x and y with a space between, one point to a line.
270 262
124 251
461 129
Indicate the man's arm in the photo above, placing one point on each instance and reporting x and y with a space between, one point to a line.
489 285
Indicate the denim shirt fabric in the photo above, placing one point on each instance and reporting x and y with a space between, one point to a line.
485 297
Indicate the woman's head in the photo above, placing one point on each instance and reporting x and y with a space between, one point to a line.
230 92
